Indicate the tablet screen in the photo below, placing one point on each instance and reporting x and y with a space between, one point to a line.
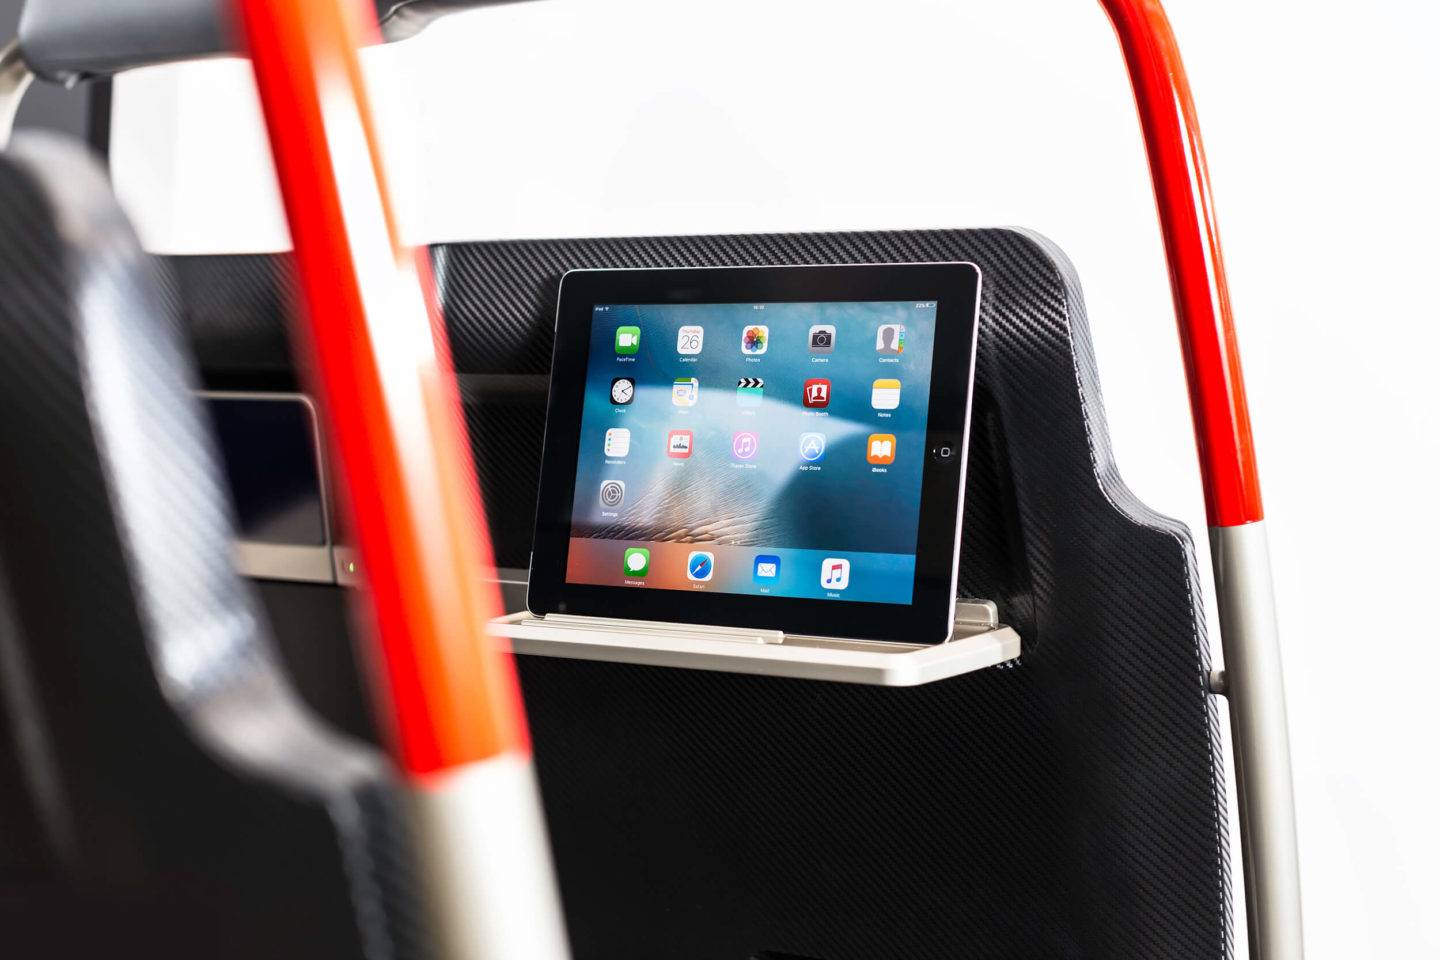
754 448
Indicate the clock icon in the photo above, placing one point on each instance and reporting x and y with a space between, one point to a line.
622 390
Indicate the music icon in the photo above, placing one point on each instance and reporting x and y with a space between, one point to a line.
834 573
744 445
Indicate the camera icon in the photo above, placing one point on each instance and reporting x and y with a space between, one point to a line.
822 338
612 493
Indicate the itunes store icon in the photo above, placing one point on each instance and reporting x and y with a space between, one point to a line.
744 445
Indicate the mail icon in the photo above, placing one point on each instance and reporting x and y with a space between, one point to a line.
767 568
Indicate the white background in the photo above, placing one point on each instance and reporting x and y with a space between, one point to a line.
611 117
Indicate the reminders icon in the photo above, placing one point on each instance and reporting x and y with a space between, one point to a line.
885 394
617 442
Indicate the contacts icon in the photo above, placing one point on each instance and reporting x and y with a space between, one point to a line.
890 339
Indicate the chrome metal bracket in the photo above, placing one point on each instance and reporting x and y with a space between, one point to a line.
15 79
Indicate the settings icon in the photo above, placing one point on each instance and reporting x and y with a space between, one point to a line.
612 493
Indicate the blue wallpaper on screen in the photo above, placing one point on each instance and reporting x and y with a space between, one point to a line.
776 499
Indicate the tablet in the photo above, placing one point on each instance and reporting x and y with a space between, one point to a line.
771 447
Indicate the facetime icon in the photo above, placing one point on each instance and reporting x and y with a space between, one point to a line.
627 341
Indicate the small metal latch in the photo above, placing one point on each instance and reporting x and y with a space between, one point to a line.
977 613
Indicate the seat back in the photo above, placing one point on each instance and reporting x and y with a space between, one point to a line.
1069 805
186 802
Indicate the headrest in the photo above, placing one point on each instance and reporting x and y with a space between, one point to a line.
68 40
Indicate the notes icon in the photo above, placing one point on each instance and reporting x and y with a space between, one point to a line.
885 394
834 573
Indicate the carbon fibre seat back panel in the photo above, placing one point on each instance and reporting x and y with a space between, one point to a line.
1071 805
186 801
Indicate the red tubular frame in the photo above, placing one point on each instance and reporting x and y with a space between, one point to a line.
1197 269
1240 558
381 367
382 371
421 539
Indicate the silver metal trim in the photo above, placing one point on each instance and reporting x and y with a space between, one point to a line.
566 621
978 613
347 566
490 885
974 645
15 79
965 435
283 561
1255 689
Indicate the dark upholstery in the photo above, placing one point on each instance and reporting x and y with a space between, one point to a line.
166 794
1068 806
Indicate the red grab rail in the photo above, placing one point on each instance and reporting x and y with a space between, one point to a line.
1197 269
391 399
381 363
382 369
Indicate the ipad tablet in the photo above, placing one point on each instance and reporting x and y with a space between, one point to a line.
773 447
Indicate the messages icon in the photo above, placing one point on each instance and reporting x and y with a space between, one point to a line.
637 562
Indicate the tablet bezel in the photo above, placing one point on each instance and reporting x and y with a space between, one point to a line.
929 617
